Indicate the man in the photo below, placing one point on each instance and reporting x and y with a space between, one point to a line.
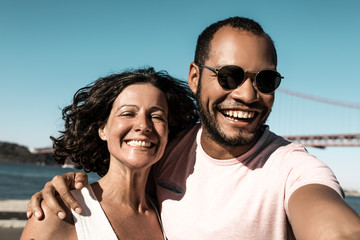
231 178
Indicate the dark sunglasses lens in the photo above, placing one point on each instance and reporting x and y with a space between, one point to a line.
267 81
230 77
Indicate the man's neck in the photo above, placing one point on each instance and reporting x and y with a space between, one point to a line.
221 151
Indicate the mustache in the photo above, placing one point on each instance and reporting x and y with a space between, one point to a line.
233 104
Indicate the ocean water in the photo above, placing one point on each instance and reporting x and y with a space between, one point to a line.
21 181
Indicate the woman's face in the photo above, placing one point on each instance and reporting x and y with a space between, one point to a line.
137 128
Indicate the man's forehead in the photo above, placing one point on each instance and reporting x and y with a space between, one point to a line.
229 42
228 33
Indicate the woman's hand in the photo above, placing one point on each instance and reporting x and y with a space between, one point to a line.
61 185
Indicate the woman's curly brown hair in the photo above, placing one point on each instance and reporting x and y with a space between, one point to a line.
91 107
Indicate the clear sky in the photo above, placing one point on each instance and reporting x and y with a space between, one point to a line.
49 49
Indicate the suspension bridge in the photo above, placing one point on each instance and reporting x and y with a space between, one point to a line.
314 121
311 120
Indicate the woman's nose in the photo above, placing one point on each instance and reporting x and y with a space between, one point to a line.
143 124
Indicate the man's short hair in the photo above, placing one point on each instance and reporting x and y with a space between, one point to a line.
203 45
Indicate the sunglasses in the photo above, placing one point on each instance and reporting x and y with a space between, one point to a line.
231 77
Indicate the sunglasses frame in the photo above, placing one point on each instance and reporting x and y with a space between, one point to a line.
253 77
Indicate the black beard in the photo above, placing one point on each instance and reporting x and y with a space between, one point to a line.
209 123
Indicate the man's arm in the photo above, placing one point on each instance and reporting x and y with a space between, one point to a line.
318 212
60 184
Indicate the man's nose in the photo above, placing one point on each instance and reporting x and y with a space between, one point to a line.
246 92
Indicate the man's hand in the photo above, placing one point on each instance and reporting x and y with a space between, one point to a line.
60 184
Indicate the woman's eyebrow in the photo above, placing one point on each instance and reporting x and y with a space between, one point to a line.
152 108
126 106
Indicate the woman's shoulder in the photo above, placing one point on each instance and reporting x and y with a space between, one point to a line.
51 226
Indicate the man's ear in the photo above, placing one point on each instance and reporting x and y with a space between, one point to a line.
102 132
194 77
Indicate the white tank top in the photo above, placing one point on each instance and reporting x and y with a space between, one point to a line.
93 223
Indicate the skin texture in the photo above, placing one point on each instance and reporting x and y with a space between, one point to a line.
51 227
316 211
135 116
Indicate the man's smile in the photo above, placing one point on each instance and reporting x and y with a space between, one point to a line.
238 115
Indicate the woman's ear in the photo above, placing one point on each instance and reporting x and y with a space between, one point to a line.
194 77
102 132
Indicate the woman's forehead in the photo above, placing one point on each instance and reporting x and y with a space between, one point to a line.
142 94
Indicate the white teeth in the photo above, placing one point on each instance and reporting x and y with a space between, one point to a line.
135 143
239 114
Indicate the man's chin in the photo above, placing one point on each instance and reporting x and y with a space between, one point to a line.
242 138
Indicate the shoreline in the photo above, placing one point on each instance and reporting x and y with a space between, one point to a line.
351 193
13 213
12 218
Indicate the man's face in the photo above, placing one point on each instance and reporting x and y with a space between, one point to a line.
234 117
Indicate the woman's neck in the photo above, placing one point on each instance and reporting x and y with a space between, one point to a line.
121 193
123 186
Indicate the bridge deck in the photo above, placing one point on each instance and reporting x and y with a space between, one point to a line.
322 141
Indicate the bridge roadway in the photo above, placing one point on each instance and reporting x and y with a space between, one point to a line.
322 141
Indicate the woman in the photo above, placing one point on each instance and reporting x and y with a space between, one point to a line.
118 127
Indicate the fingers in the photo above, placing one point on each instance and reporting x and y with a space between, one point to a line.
34 208
49 196
60 184
81 179
63 184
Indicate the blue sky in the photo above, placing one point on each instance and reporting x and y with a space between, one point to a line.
50 49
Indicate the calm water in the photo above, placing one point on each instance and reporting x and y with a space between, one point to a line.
20 181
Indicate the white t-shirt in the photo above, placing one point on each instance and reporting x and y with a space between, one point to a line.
240 198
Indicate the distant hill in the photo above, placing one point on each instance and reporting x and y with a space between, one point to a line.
11 152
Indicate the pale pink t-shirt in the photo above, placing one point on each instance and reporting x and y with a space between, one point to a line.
241 198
